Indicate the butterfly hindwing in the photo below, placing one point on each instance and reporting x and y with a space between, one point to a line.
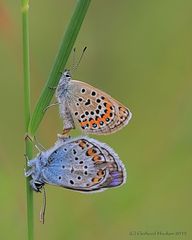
95 111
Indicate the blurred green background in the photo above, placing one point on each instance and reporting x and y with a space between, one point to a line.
140 52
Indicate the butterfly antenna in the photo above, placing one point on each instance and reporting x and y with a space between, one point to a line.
75 66
42 212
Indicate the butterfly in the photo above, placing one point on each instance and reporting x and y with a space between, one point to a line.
95 111
81 164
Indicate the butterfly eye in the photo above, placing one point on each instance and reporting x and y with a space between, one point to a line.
67 74
38 186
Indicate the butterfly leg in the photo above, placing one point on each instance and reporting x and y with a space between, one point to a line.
65 134
29 172
27 137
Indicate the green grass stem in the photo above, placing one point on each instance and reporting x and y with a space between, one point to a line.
26 77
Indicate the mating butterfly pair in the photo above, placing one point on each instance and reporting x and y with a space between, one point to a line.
82 164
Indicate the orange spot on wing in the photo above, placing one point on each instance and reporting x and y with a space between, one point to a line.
95 180
82 144
84 123
101 173
96 158
91 152
103 119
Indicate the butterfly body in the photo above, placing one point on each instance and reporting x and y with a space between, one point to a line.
95 111
82 164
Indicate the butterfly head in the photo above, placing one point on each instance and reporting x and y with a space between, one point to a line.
36 186
35 168
66 74
63 83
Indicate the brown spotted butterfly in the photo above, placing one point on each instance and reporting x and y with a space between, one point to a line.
94 110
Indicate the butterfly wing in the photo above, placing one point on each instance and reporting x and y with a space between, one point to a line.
85 165
94 110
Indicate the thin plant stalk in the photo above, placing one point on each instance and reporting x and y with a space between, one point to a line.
27 114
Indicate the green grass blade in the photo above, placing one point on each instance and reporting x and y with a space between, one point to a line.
59 64
26 77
